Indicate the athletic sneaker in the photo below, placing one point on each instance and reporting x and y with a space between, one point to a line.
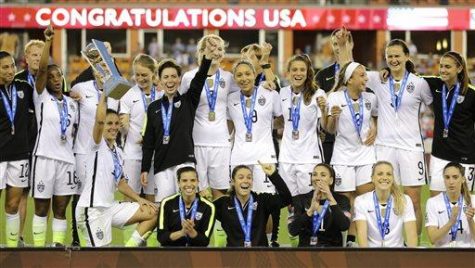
351 244
21 242
274 244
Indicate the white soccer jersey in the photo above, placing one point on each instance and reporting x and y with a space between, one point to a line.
87 113
349 149
365 211
437 216
49 142
267 106
307 148
205 132
400 130
132 103
100 183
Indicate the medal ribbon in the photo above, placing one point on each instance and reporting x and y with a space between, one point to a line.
397 100
245 226
357 120
383 226
11 110
167 118
318 217
213 95
117 165
455 227
295 112
63 114
447 115
248 116
152 98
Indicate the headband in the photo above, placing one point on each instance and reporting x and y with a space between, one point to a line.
349 71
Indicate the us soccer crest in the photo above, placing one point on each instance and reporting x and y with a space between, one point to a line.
460 99
222 83
337 180
254 206
99 234
177 104
198 216
72 107
367 105
261 101
40 187
410 87
21 94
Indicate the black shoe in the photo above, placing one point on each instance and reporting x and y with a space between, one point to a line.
75 244
21 242
274 244
57 245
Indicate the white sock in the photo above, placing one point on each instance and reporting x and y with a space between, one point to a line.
135 240
13 227
269 237
39 231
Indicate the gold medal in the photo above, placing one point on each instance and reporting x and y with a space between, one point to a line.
210 82
211 116
248 137
166 139
295 134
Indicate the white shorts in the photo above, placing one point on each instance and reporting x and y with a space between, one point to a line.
132 171
260 181
95 224
14 173
298 177
347 178
52 177
212 165
409 166
437 177
166 181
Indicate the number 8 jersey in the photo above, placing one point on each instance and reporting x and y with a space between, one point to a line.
267 106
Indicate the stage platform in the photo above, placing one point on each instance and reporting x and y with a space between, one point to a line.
233 257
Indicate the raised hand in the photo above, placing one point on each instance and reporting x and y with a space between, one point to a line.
49 33
268 169
336 111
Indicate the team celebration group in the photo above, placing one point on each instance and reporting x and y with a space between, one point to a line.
216 152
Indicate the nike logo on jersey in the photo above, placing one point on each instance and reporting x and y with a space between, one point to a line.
440 212
175 210
419 179
73 187
23 180
343 105
134 101
370 211
284 99
234 104
230 208
329 78
35 233
89 96
438 91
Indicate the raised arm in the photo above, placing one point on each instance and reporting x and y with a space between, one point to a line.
197 83
42 75
100 119
284 192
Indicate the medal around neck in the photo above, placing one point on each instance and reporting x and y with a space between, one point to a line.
115 86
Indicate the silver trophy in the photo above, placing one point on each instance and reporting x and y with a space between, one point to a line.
97 55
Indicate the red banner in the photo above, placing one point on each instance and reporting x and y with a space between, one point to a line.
235 18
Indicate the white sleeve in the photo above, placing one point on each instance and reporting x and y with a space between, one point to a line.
426 94
374 105
38 98
185 83
276 105
360 211
373 79
124 107
409 214
331 101
431 213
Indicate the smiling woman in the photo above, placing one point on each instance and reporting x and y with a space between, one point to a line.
244 213
186 219
389 202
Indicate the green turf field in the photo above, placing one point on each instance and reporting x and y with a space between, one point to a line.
117 234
